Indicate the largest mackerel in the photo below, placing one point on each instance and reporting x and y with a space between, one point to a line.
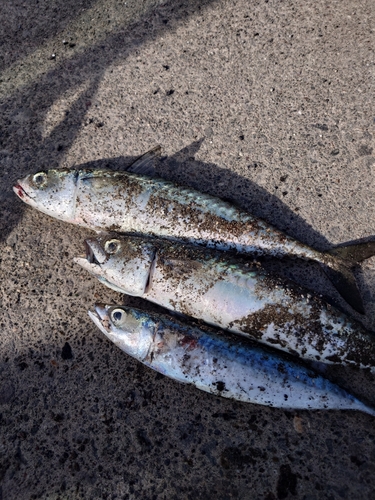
132 202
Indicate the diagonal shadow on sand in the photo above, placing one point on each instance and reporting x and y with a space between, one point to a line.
23 148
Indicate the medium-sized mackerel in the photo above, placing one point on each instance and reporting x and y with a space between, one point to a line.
130 201
229 293
216 363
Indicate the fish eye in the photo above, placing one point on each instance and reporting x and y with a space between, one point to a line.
40 179
112 246
117 315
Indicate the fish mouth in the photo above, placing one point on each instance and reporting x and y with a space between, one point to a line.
20 191
100 318
95 257
90 255
94 252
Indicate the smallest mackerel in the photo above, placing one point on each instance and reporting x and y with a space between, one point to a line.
216 363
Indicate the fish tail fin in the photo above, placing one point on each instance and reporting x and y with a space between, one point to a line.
370 410
354 253
342 278
340 272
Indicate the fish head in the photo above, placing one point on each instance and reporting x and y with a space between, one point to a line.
122 263
52 192
130 329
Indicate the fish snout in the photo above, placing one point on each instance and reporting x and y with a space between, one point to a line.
95 257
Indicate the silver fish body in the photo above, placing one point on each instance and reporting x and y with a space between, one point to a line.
105 200
213 362
230 294
127 202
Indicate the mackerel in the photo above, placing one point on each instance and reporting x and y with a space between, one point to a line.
218 364
130 201
230 293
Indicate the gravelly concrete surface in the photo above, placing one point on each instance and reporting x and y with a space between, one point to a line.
269 104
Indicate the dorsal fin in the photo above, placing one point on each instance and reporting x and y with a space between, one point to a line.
145 164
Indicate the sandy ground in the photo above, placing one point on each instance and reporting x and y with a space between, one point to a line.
269 104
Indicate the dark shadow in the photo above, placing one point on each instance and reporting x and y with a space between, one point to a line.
27 26
79 416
